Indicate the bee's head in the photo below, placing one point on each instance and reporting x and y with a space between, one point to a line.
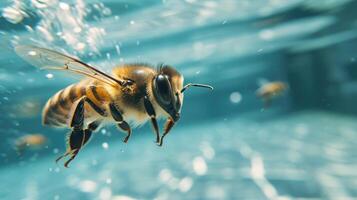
167 85
168 90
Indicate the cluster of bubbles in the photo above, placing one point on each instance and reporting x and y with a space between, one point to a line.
59 23
184 184
103 192
14 13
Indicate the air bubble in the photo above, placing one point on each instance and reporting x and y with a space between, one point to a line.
105 145
199 166
49 76
77 29
105 193
13 14
106 11
185 184
32 53
235 97
87 186
64 6
55 150
117 48
165 175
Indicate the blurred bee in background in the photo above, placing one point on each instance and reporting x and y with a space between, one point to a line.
270 90
31 141
133 94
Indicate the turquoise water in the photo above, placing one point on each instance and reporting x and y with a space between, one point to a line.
305 155
226 144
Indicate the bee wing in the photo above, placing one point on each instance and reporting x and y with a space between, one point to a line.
48 59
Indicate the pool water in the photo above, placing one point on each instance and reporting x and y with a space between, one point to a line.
228 144
305 155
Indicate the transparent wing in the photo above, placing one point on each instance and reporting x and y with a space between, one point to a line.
48 59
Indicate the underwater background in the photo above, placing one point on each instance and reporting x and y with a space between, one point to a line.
227 144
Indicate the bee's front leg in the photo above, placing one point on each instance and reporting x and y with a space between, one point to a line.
169 124
151 112
117 116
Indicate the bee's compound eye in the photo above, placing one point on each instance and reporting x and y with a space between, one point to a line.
163 88
178 102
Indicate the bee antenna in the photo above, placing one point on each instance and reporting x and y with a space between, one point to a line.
196 85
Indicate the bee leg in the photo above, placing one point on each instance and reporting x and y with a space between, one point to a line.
86 134
76 137
97 109
79 139
151 112
62 156
125 127
89 130
169 124
74 154
74 142
118 117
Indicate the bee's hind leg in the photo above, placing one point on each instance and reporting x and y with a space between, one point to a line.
77 140
151 112
78 137
117 116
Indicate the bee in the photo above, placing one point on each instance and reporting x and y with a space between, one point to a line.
29 141
131 95
271 90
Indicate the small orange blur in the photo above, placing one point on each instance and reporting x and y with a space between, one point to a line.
271 90
32 141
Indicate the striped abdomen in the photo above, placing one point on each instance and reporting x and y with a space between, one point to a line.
58 109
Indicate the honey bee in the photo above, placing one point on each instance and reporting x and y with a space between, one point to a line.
271 90
29 141
131 95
